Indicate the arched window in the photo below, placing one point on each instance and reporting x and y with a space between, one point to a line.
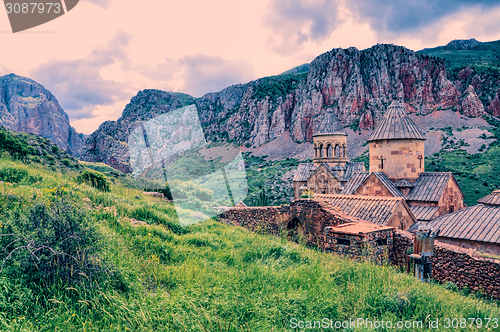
329 151
343 151
337 151
321 151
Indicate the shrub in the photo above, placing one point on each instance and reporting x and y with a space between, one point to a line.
94 179
18 175
189 190
52 242
14 147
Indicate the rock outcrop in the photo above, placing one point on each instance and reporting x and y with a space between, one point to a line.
471 105
26 106
108 144
357 85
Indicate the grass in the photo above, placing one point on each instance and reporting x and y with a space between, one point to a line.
267 174
205 277
477 173
484 57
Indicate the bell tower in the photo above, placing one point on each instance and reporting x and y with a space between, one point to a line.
330 142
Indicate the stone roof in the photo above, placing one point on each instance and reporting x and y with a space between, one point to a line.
329 125
358 228
429 186
303 172
403 183
374 209
396 124
352 168
317 169
492 199
241 204
355 182
424 213
476 223
386 182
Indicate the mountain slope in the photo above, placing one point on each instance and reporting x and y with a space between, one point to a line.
356 84
108 144
26 106
473 64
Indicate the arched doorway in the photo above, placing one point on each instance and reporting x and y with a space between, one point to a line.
294 230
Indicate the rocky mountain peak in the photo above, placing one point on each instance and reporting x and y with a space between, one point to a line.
27 106
462 44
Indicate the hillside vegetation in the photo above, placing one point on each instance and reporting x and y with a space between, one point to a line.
78 258
482 56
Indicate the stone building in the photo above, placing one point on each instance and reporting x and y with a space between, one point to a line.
380 210
397 146
397 169
476 227
331 168
360 240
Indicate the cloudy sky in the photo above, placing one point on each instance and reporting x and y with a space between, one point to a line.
99 55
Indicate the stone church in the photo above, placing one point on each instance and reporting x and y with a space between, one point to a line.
397 170
330 169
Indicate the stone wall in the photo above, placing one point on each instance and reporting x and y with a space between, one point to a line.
452 199
360 245
373 187
451 263
308 217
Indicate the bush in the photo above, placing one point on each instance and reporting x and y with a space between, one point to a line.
94 179
189 190
18 175
14 147
52 242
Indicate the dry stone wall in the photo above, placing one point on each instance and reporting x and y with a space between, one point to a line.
307 216
454 264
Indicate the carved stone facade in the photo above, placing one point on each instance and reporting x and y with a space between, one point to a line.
322 181
330 169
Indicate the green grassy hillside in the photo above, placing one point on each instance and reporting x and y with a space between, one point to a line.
131 267
477 174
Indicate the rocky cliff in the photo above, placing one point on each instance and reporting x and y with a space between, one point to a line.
27 106
357 84
108 144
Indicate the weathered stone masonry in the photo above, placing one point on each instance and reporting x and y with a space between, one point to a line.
454 264
310 217
307 216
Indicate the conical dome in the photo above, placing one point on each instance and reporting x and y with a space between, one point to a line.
491 199
396 124
330 126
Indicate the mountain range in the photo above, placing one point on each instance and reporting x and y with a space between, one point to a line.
356 84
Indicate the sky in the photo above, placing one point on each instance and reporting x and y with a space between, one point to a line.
96 57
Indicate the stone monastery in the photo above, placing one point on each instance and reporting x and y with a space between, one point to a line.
396 191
